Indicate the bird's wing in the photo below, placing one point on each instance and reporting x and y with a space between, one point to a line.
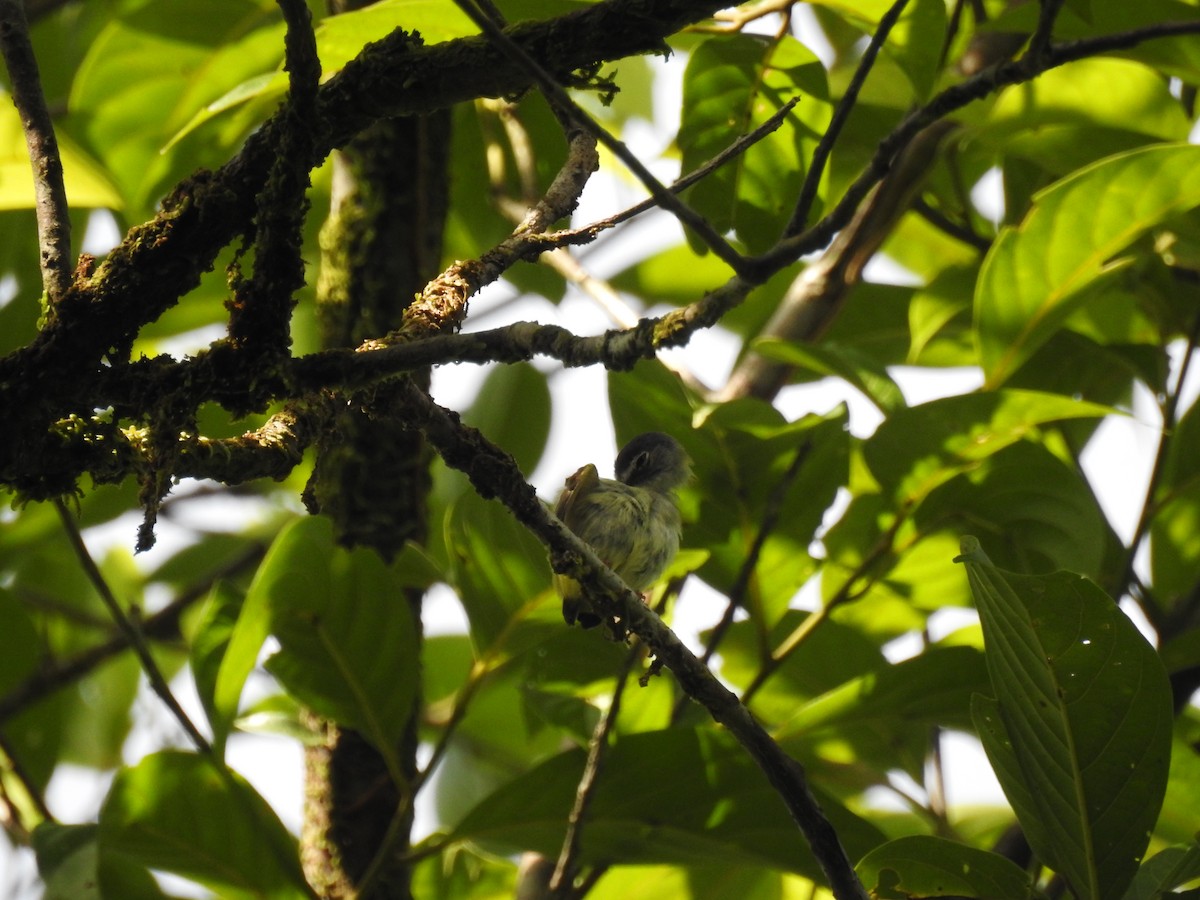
585 480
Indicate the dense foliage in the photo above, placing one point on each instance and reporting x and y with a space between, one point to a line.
1019 176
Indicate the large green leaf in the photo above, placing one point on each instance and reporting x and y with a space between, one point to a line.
1038 273
86 183
1170 868
919 448
499 569
926 866
20 648
176 812
1073 115
678 796
73 868
512 409
934 687
348 647
762 462
832 655
1080 731
151 69
732 85
1175 529
1034 511
209 652
857 369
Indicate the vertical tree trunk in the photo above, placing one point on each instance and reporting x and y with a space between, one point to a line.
380 245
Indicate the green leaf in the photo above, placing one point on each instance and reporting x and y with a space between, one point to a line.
148 72
86 183
919 448
512 409
676 796
716 880
498 568
913 42
20 647
348 646
1070 116
857 369
209 646
1170 868
1038 273
73 868
1082 718
67 858
176 812
926 866
651 398
732 85
934 687
1035 511
1174 531
754 460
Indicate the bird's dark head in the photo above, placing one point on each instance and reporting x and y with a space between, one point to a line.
653 460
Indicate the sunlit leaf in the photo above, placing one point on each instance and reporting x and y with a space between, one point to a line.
151 69
1039 272
927 866
934 687
922 447
732 85
86 183
871 379
913 41
176 812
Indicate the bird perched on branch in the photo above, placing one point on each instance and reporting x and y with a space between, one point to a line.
631 523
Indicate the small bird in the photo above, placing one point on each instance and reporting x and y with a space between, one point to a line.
632 523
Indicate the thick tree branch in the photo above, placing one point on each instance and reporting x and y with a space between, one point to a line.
40 386
53 221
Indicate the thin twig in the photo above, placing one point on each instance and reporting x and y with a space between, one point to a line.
956 230
767 523
816 166
28 785
734 20
564 869
136 639
587 233
53 219
557 95
847 593
160 625
1039 44
1168 410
